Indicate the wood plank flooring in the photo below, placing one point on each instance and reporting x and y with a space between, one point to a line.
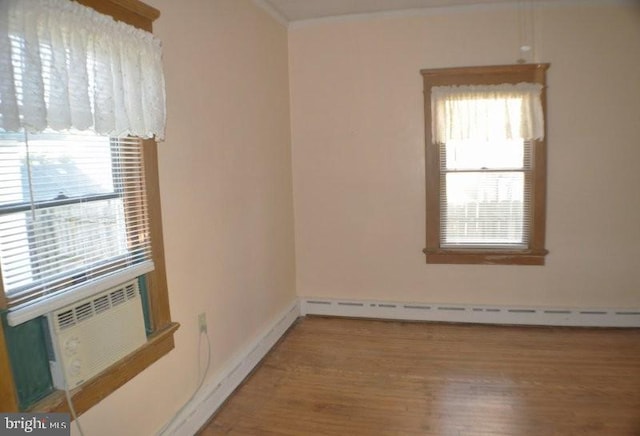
336 376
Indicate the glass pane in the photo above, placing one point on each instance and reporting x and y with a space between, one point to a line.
484 209
12 159
60 166
475 155
41 244
45 243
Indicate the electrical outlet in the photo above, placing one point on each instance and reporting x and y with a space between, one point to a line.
202 322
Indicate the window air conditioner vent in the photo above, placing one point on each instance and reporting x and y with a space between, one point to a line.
101 304
93 333
131 291
117 297
66 319
84 311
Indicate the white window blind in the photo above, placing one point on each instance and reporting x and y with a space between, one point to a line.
72 213
485 136
485 196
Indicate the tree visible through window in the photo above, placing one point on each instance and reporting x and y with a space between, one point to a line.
485 164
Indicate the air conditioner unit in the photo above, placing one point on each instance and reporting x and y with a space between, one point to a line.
91 334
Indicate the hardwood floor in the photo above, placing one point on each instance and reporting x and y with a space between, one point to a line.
333 376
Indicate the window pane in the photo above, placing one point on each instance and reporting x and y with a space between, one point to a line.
60 166
486 209
52 242
475 155
72 209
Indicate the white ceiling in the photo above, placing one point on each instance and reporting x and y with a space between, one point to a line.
294 10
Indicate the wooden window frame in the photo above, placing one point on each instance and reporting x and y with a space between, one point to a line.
161 340
535 253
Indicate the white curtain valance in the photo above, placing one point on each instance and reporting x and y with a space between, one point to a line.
65 66
487 112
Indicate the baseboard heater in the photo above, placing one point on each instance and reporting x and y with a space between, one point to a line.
485 314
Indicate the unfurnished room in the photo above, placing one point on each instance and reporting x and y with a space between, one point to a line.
320 217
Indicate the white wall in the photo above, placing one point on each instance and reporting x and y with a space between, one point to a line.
358 154
225 180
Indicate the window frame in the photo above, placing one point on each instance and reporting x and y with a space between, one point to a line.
535 253
161 340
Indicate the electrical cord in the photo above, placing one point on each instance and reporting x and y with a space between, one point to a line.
201 377
200 383
70 404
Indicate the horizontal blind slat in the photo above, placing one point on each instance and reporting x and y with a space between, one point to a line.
47 247
485 195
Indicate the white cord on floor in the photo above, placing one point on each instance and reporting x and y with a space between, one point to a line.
200 383
70 404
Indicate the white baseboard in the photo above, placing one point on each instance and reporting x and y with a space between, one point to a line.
214 393
476 313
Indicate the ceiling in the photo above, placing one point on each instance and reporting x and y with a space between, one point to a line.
295 10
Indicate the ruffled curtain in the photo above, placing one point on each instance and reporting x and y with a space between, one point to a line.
65 66
487 112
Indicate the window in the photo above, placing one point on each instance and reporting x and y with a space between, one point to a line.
78 207
485 164
72 211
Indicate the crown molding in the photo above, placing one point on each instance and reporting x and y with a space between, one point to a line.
271 10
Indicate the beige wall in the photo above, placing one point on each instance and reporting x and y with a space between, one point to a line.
358 158
358 168
225 176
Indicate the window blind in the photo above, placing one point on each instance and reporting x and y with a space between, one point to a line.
73 214
485 194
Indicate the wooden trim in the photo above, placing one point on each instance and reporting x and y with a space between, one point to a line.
3 298
157 279
540 182
484 75
8 396
432 174
459 257
487 70
95 390
132 12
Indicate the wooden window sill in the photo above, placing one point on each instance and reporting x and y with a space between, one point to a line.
93 391
485 257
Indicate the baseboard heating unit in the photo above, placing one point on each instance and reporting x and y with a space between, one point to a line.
484 314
